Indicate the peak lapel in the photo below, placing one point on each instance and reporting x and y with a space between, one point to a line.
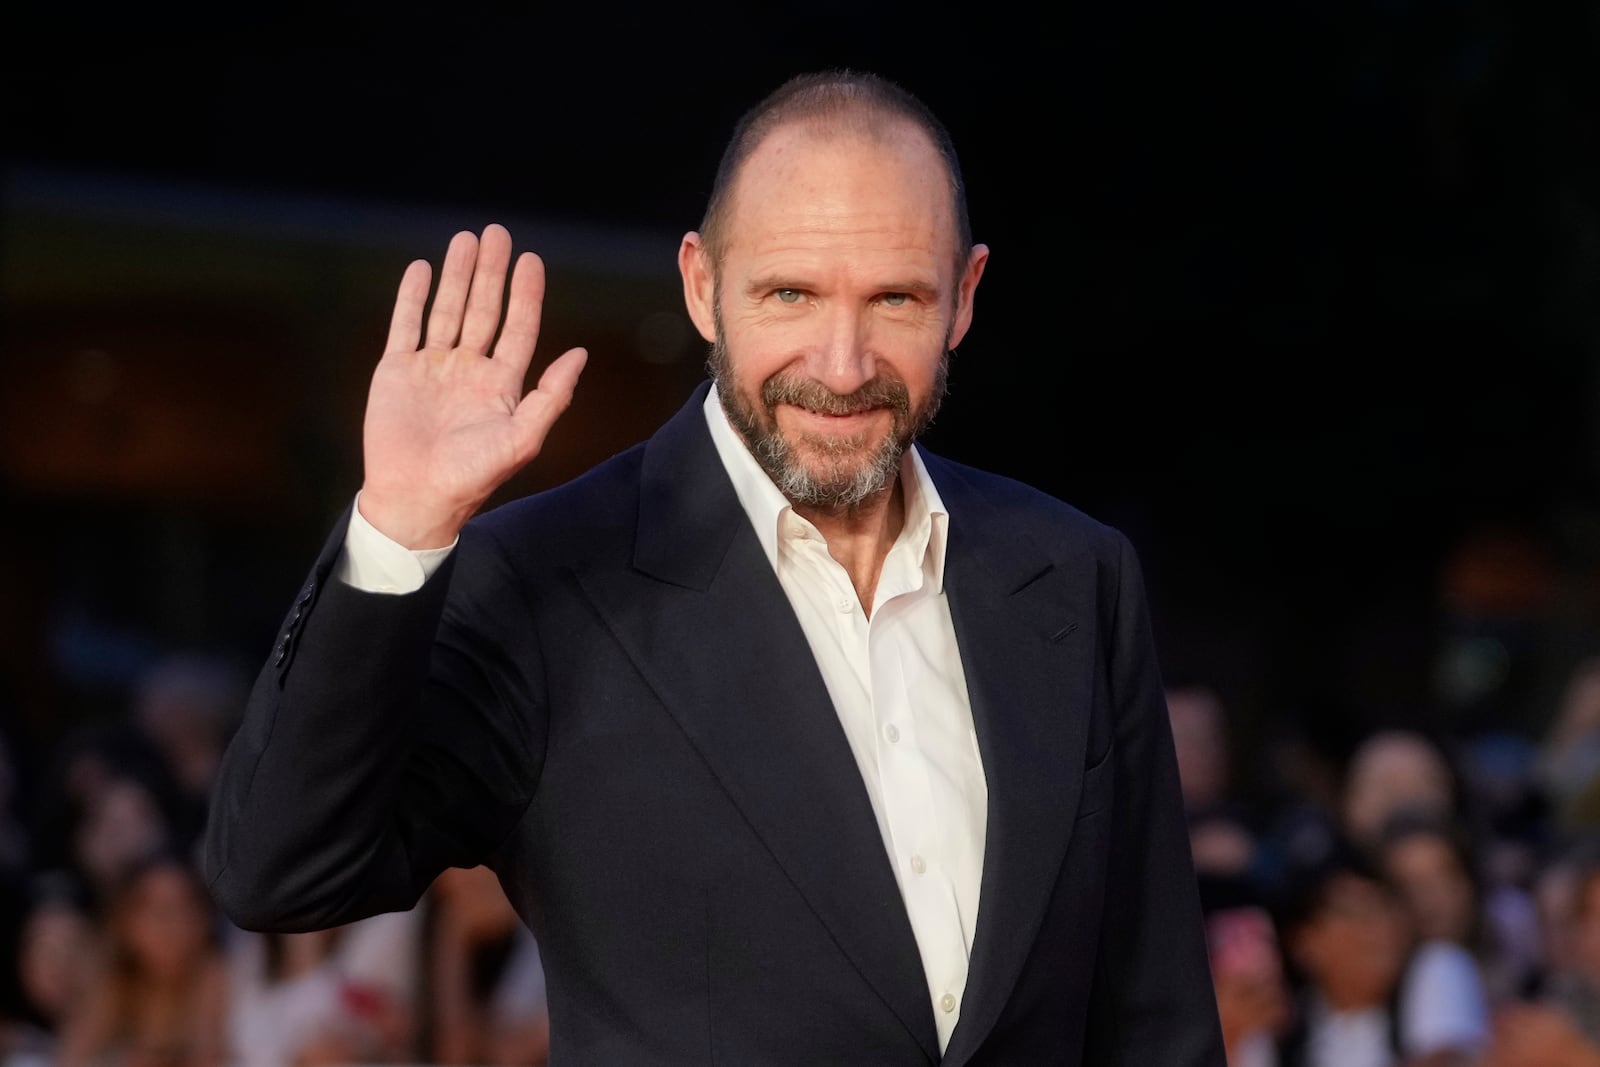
1025 628
703 617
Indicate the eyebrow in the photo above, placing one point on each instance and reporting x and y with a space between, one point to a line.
911 287
768 282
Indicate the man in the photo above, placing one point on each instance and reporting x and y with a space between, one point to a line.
792 744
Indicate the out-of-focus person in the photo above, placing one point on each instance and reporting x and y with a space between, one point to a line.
160 997
487 983
188 705
57 953
121 826
1537 1035
1247 969
1368 993
345 995
1395 772
1568 765
107 802
1222 835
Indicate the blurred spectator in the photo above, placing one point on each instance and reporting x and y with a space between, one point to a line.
1555 895
519 1027
1569 753
1576 987
188 705
56 958
1300 807
1368 992
1560 1027
1223 843
120 826
1395 772
1512 833
487 981
347 995
160 998
1432 863
1200 734
1222 837
1535 1035
107 803
1253 996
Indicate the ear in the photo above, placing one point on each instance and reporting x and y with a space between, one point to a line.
699 290
966 288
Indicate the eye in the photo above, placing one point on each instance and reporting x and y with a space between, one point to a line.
896 300
788 296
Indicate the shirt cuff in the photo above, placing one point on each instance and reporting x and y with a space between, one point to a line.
373 563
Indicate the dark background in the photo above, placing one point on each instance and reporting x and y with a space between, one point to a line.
1303 296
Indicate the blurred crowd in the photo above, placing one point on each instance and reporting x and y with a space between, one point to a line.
1417 901
1423 901
116 957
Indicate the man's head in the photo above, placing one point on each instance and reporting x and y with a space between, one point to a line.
832 275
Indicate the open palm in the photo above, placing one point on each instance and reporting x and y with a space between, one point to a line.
447 421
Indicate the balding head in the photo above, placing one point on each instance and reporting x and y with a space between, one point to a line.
835 104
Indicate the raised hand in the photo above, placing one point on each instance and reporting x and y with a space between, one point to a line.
447 422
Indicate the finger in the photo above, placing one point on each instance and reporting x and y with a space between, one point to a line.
405 325
488 286
521 331
444 321
540 408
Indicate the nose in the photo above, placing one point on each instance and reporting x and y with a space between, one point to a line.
840 356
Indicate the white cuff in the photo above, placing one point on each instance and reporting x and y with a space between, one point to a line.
373 563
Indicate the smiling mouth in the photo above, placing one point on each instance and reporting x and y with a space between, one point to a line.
837 417
839 414
811 398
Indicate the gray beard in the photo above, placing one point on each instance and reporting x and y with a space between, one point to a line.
847 477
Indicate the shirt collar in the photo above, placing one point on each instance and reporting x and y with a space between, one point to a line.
926 528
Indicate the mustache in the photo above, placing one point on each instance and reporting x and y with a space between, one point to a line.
879 392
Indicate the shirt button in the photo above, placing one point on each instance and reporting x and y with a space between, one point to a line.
918 867
947 1002
845 604
892 732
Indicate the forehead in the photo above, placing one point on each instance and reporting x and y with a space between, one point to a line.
1421 850
878 190
1355 895
1400 759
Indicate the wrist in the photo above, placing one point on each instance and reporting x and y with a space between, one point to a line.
417 528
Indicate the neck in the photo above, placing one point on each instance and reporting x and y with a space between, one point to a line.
859 537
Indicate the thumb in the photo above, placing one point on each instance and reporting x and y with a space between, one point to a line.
539 410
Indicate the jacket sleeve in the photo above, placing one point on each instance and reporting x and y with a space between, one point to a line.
1153 1000
386 738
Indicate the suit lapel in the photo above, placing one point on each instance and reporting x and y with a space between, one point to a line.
709 627
1025 627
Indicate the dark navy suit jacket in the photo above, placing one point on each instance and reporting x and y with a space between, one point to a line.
605 695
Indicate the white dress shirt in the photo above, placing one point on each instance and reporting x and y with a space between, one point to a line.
895 678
